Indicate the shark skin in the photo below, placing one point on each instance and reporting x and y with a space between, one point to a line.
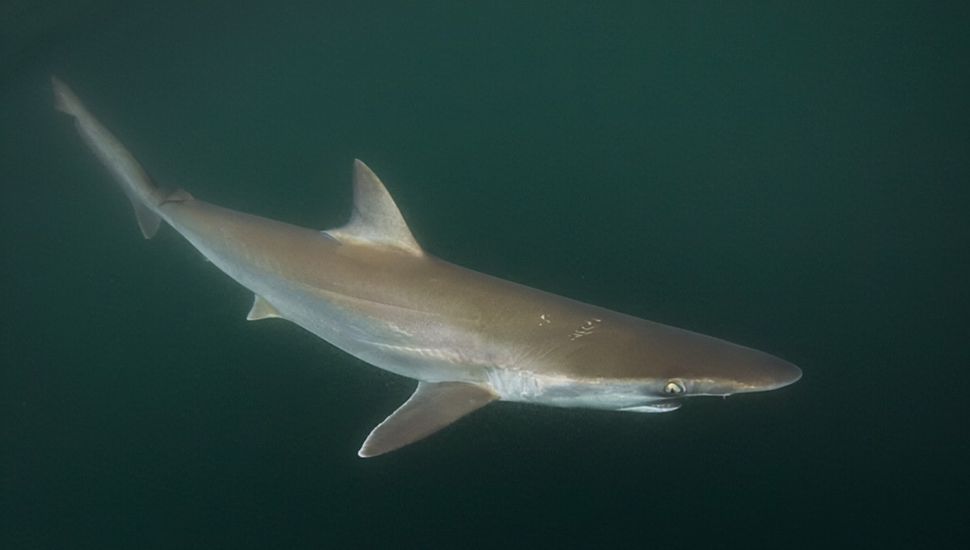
468 338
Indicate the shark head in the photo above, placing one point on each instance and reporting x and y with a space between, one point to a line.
735 370
677 364
651 367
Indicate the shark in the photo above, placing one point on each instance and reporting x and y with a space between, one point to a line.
467 338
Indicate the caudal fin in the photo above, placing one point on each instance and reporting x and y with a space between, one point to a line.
144 195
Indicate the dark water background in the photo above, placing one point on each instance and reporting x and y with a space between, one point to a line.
792 177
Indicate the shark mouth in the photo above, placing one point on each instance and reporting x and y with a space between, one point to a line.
656 407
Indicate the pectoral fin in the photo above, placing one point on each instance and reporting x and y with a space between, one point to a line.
430 408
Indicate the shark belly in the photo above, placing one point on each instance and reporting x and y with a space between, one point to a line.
525 386
406 343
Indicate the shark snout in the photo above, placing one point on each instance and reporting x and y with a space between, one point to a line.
782 373
766 373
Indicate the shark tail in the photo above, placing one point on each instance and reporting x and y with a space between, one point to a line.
146 197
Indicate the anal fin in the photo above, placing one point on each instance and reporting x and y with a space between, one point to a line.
430 408
262 310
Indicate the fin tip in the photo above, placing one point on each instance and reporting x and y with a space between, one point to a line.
62 95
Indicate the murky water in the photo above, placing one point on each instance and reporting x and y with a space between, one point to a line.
793 179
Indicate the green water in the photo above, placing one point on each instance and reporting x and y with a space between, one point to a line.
794 178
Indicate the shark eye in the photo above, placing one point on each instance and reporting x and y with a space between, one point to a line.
673 387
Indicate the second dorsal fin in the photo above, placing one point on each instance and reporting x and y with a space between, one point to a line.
375 219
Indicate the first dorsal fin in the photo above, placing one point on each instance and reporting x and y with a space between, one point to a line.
375 219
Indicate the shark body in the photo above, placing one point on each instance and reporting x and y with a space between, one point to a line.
467 338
